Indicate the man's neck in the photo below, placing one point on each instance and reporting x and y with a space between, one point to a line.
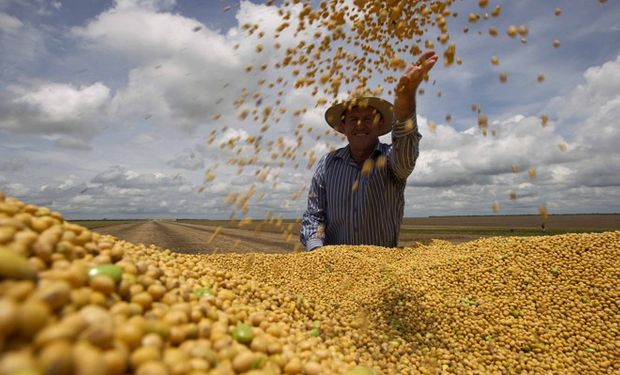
360 155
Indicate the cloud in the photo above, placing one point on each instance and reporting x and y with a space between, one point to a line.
186 73
39 7
599 93
122 177
154 5
162 35
69 142
144 139
122 192
13 164
187 160
22 44
468 166
452 158
593 109
181 73
64 111
9 24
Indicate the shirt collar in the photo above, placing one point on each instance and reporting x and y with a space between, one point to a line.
345 154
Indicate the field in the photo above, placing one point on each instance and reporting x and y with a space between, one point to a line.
193 236
92 224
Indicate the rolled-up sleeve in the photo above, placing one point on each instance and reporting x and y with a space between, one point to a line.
404 150
313 223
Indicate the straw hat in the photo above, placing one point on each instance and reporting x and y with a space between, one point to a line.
333 115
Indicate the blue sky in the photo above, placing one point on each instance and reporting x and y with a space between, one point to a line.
107 105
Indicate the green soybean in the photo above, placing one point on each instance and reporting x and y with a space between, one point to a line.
110 270
243 333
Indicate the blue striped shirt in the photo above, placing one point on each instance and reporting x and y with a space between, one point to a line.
370 213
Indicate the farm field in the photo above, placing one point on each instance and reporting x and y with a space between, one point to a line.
93 224
196 238
193 236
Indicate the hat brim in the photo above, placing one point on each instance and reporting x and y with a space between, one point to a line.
333 115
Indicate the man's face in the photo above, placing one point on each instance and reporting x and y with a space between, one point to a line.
362 126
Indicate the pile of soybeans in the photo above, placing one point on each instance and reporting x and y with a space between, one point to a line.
74 301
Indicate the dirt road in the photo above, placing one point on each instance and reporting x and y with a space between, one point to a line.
191 238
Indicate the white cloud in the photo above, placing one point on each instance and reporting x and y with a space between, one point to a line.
48 108
153 5
9 24
124 178
599 93
161 36
181 72
471 166
187 160
119 191
144 139
185 73
15 189
451 158
591 111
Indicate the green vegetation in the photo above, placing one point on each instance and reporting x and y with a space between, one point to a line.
493 232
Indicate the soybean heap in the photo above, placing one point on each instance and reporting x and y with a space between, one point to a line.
75 301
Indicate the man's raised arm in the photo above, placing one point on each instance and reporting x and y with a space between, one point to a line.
405 147
405 136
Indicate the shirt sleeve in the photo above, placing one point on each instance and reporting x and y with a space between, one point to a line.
313 222
404 151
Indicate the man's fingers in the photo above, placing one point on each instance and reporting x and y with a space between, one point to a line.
428 64
425 56
403 83
415 72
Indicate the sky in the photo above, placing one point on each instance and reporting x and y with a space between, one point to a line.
106 111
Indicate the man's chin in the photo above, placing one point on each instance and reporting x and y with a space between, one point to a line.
362 142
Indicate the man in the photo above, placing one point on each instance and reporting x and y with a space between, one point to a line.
357 192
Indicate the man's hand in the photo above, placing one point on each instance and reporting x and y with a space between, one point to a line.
404 104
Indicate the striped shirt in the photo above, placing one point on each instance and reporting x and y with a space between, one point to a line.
370 214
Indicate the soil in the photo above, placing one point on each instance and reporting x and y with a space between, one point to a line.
192 238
